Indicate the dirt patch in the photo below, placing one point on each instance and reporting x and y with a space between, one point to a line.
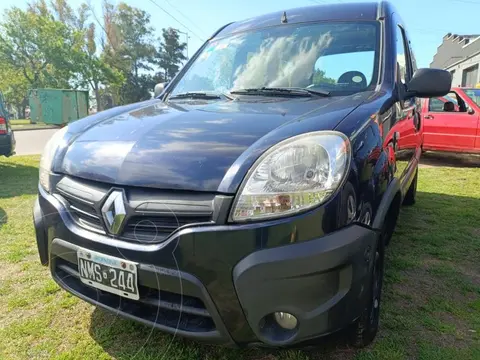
441 159
416 287
462 330
431 262
426 166
471 272
339 353
11 271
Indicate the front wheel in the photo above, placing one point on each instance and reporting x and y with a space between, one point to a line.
364 329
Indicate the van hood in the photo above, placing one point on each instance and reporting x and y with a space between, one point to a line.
198 146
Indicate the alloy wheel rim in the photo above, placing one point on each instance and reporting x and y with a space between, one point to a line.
367 218
351 209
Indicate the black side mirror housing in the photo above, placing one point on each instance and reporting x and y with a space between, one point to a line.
470 111
427 83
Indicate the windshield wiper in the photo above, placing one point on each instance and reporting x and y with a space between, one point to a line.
318 92
199 95
283 91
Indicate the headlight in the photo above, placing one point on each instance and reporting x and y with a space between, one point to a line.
296 174
48 156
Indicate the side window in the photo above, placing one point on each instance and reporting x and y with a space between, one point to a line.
448 103
435 105
360 66
414 60
402 57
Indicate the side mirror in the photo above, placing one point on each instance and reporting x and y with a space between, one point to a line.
159 88
470 111
428 82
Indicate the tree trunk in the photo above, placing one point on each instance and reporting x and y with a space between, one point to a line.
98 98
25 103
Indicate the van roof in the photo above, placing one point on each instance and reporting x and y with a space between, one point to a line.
334 12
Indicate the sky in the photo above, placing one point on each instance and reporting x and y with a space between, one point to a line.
427 21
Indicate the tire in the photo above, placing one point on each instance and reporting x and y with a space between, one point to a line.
411 195
348 206
364 330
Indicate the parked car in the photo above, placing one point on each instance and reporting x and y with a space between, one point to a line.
251 202
7 138
451 123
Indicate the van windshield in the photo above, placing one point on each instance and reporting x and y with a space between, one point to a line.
340 57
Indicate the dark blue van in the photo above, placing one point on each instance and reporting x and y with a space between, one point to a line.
251 201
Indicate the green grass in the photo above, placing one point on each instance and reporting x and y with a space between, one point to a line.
19 122
26 124
431 303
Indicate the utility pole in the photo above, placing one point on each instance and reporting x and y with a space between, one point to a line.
186 38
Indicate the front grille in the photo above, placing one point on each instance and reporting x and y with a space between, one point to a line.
83 213
155 306
158 228
152 215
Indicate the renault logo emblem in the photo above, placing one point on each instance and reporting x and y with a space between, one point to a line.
114 212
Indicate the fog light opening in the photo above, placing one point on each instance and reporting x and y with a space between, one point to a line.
279 327
285 320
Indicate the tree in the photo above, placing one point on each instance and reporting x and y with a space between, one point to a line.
319 78
129 44
171 53
39 7
137 88
137 37
51 44
14 87
93 70
90 68
40 47
129 49
63 12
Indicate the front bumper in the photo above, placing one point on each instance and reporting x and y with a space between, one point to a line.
221 283
7 144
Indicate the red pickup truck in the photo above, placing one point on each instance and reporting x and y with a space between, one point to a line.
452 123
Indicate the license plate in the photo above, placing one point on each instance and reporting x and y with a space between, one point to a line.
108 273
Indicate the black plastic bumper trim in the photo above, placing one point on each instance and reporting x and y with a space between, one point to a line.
322 282
40 233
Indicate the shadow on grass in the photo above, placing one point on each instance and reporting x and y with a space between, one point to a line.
441 159
124 339
17 179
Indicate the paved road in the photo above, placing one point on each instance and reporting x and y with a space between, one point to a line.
31 142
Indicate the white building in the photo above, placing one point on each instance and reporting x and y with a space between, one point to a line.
460 54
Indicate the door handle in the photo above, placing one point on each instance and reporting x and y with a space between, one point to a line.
428 117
